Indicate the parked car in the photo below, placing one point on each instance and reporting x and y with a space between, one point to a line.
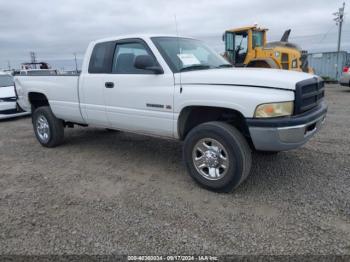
8 104
345 78
178 88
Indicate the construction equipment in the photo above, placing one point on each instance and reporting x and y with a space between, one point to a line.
247 46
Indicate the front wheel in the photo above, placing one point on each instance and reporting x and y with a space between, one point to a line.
217 156
48 129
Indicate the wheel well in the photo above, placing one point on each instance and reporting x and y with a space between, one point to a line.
37 100
263 63
193 116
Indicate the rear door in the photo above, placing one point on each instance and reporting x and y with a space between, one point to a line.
138 100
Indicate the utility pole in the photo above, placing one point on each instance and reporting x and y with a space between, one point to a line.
33 58
8 65
339 18
76 63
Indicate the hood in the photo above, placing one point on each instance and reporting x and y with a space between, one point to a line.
7 91
257 77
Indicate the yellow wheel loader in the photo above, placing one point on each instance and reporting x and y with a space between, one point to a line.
247 46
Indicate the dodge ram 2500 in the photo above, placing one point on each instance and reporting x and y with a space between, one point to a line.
177 87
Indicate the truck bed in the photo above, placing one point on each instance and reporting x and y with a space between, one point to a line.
61 91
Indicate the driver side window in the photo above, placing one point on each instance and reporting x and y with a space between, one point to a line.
124 58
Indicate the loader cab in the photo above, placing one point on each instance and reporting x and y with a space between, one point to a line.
240 44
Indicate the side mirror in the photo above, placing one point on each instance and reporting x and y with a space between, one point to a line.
147 62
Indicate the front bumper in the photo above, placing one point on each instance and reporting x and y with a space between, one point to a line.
286 133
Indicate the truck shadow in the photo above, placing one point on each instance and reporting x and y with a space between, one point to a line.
282 170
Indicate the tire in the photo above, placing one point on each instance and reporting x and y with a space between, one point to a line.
48 129
215 145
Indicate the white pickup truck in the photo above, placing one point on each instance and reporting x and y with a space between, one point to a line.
177 87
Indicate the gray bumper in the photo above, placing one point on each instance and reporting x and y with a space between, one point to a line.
345 80
289 134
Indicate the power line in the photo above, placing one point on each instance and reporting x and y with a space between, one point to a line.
33 59
326 34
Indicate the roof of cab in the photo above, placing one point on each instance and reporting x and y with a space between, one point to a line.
140 36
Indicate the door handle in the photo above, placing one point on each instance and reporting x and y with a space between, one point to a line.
109 84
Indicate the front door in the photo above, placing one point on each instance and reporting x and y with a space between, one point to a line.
138 100
92 84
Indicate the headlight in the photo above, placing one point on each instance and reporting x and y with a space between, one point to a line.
274 110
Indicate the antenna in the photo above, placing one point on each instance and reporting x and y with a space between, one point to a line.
76 63
178 46
177 31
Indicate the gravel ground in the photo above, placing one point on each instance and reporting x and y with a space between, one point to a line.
103 193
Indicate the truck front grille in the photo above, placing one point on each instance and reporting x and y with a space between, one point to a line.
308 94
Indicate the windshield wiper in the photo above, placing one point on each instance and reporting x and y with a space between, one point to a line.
194 67
225 65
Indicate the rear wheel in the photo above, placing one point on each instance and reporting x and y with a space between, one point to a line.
48 129
217 156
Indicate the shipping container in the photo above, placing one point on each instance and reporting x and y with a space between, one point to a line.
325 64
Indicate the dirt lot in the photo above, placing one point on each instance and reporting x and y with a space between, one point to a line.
103 193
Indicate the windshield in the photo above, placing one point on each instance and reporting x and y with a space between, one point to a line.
185 54
6 80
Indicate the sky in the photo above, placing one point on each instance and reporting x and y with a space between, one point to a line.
55 30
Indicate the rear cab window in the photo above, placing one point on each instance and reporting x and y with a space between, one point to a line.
101 58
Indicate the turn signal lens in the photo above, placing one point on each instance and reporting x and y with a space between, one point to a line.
274 110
